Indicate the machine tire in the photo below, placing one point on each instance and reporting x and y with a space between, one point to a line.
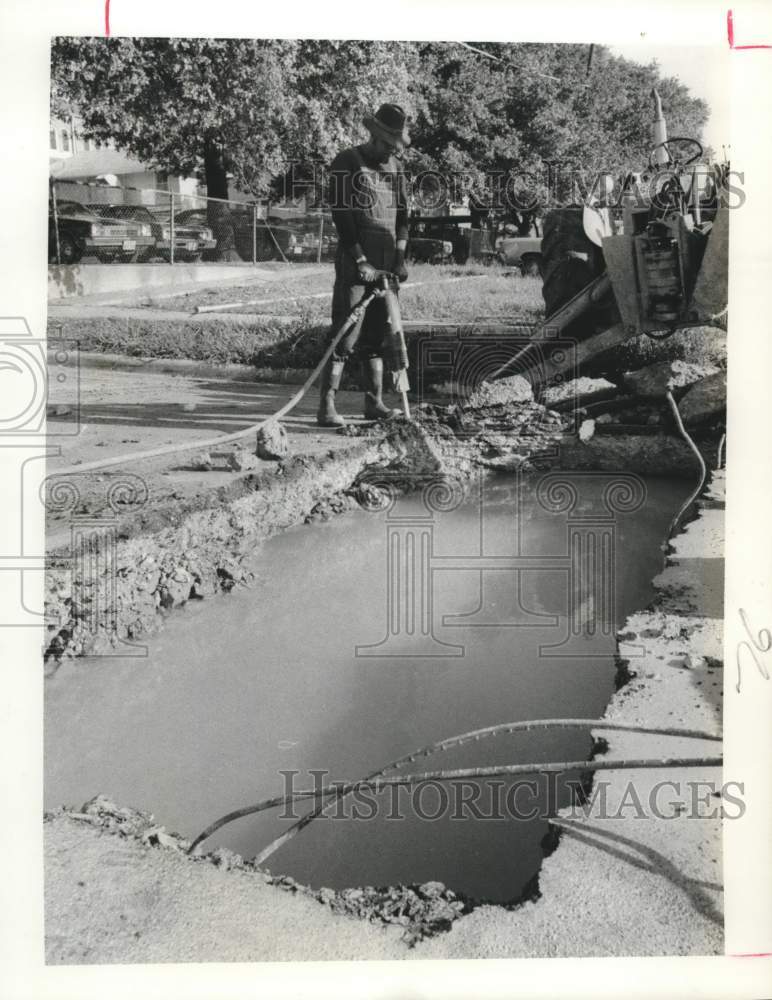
564 273
570 261
531 267
69 251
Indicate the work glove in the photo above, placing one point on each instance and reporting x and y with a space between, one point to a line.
368 274
400 271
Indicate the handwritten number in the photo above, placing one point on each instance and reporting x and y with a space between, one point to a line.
758 644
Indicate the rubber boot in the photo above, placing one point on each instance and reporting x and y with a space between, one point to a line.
331 375
375 408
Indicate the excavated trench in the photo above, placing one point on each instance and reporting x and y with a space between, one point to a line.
296 653
303 672
330 645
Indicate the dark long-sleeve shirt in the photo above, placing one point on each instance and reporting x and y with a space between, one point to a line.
348 195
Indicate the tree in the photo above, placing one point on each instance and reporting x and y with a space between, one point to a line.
511 109
334 84
183 105
215 106
251 108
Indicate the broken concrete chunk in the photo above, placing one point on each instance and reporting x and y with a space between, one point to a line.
588 388
158 835
586 431
272 441
432 890
666 376
242 460
202 462
705 400
515 389
225 859
175 590
230 459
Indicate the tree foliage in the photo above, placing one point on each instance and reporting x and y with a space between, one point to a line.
252 107
167 101
536 104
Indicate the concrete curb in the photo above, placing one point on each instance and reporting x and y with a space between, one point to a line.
180 366
110 282
84 312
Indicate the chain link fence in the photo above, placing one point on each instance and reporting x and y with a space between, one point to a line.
101 224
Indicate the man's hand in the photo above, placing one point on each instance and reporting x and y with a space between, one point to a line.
368 274
400 270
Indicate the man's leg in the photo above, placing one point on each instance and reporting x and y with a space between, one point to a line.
370 347
327 415
344 297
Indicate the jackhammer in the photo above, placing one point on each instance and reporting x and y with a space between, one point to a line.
394 347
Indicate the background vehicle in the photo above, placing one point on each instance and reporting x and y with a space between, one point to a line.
236 229
439 239
522 251
189 241
146 240
304 238
82 232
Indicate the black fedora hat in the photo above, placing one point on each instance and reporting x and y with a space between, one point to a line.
389 123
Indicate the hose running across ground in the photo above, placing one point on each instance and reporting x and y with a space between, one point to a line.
212 442
703 468
376 782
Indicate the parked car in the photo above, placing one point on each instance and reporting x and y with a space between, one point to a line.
81 231
189 241
248 245
300 238
188 232
522 251
263 239
439 239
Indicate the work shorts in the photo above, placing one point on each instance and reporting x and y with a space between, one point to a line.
365 339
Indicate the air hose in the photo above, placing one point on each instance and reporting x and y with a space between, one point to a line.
703 469
375 780
353 317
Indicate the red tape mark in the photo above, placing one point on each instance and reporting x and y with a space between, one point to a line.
730 35
107 18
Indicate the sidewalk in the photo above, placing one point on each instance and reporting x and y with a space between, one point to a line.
124 411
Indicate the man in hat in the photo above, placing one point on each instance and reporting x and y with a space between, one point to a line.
369 201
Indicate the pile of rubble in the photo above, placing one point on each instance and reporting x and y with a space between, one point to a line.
422 910
621 421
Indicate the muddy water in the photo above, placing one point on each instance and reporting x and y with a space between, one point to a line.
239 689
